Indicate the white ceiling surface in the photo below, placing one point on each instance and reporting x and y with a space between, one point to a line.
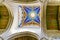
14 26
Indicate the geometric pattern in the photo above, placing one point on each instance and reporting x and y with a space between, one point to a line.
29 15
32 14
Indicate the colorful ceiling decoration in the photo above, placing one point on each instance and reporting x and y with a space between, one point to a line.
31 15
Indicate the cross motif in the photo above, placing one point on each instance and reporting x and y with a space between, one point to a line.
32 14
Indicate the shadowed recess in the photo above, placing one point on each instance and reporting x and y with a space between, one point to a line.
25 38
24 0
52 17
5 18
